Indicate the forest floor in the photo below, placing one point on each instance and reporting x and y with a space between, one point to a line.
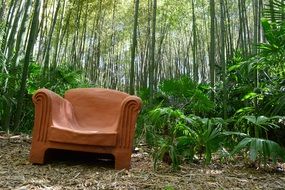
81 173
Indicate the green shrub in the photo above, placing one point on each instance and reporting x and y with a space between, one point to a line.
176 137
187 95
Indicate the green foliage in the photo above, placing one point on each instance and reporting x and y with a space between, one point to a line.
180 122
271 63
267 99
166 151
255 125
260 149
187 95
163 134
143 129
207 134
275 11
255 109
60 79
273 50
239 86
173 14
177 137
252 110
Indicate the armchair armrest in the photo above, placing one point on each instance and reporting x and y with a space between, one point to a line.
47 112
130 108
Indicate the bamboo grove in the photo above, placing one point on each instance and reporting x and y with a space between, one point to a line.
210 72
95 36
121 44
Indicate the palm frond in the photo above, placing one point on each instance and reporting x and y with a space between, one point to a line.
260 149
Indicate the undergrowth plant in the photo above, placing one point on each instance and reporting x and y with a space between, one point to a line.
259 147
207 134
176 137
260 150
163 134
188 96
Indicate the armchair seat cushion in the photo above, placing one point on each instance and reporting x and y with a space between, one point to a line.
94 136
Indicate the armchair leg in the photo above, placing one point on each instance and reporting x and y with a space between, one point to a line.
122 160
37 154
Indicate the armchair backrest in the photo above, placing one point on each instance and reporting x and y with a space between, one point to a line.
96 107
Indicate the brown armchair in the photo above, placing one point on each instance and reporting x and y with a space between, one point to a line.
86 119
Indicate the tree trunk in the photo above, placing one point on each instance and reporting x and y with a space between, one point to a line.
194 47
26 61
152 50
212 47
59 32
47 49
223 59
133 50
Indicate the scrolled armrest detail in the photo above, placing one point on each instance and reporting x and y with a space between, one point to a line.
44 100
130 108
42 103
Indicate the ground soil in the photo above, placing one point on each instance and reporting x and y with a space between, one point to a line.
68 170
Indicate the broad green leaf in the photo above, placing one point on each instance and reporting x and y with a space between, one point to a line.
249 96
